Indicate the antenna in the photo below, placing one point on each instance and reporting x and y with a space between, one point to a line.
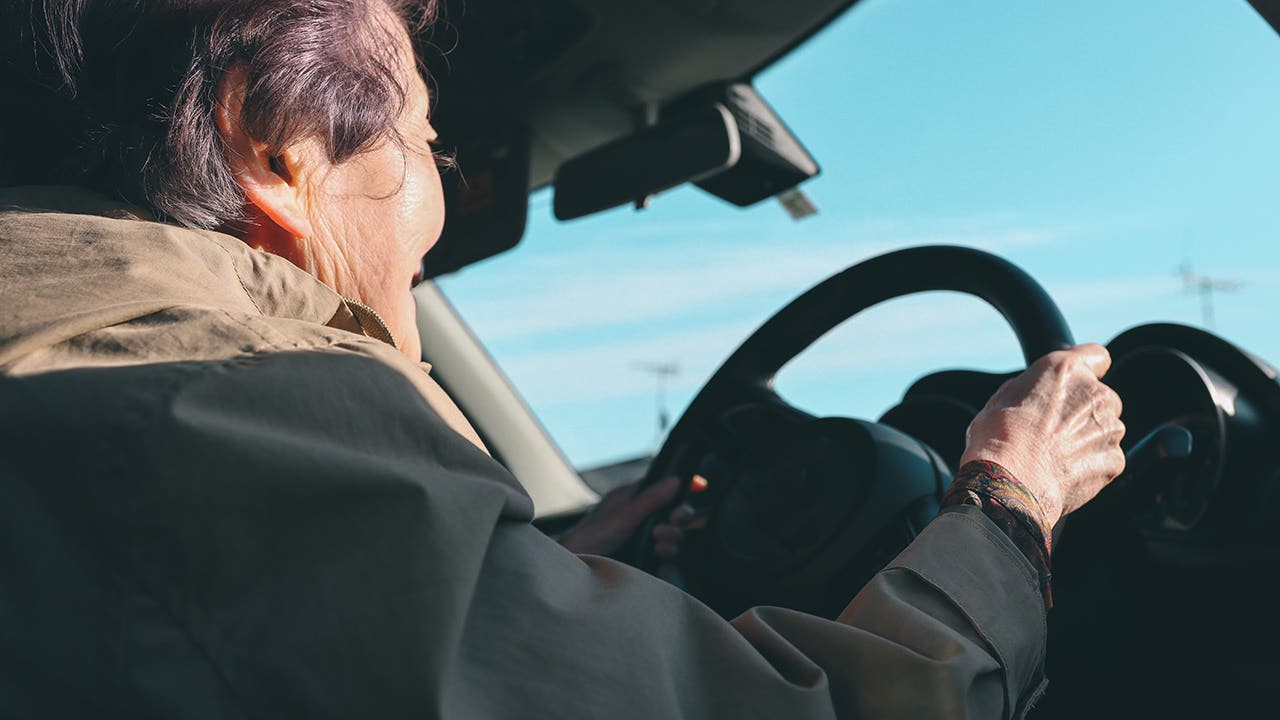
662 372
1205 286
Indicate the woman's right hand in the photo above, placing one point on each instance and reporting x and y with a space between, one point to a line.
1056 428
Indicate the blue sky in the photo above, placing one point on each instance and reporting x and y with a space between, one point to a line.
1098 144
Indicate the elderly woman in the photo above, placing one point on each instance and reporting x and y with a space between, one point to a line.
231 489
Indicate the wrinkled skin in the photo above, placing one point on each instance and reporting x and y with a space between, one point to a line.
1056 427
360 226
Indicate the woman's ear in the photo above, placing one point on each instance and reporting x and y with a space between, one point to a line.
273 182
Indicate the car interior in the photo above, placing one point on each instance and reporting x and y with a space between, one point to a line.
1163 596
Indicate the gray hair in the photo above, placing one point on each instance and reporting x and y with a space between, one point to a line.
119 95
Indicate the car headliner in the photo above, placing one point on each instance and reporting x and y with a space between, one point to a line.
580 73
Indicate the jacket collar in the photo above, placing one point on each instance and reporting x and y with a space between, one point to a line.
58 240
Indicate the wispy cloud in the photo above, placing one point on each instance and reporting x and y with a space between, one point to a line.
911 335
571 325
554 295
571 330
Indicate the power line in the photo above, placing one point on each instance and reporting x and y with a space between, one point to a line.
1206 286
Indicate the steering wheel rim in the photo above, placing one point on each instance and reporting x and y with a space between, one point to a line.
1026 306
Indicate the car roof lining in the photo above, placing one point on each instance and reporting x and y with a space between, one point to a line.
579 73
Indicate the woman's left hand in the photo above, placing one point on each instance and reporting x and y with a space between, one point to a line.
624 509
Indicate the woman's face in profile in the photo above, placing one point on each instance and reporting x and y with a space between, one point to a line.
375 215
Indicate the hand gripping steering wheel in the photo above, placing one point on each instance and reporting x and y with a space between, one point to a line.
804 511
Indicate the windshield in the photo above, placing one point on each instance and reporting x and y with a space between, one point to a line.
1125 154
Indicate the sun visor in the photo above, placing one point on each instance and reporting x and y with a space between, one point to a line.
486 201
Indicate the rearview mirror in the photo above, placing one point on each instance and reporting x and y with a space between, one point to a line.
687 147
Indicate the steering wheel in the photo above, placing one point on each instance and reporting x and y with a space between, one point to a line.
801 511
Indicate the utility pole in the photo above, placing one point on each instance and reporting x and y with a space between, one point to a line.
1205 287
663 373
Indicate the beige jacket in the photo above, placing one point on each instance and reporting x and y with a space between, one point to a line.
221 497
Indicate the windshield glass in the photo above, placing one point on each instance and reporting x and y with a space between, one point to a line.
1124 154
